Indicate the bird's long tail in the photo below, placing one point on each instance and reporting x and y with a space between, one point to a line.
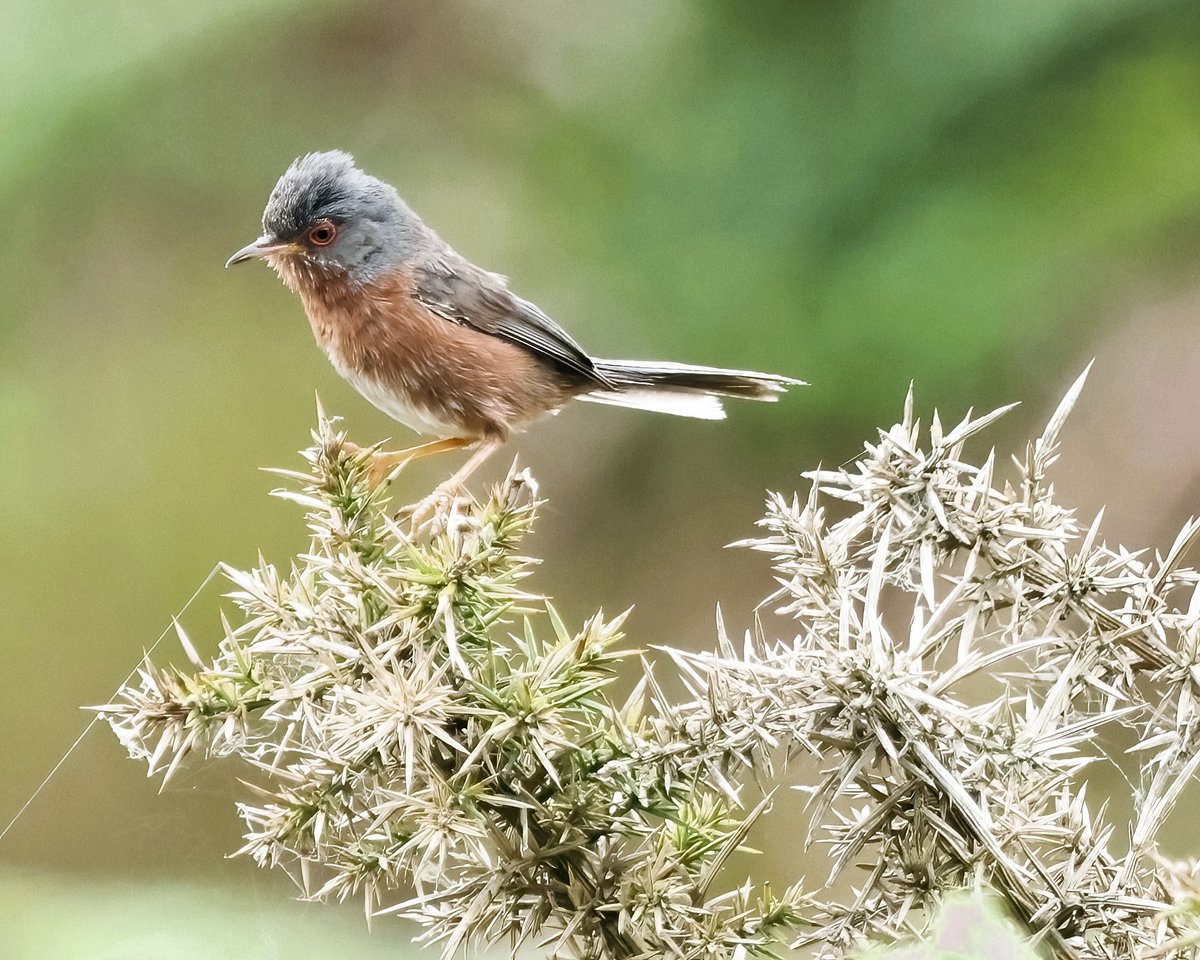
683 389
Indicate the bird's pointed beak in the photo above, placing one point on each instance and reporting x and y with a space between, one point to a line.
262 247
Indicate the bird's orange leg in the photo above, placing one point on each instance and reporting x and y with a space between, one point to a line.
445 491
384 462
486 449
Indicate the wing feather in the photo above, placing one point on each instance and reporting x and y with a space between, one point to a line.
462 293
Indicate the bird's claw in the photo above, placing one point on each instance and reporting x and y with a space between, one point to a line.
380 470
431 512
380 466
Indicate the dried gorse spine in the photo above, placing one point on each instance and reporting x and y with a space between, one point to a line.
957 646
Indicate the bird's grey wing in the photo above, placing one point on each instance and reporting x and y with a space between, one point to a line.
463 293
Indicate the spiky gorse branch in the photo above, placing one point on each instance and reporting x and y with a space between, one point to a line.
962 646
419 723
422 726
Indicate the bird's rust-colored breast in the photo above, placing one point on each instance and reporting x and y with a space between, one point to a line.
467 383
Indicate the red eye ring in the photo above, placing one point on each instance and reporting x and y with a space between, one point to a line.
323 234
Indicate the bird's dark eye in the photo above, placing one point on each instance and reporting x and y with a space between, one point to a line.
323 234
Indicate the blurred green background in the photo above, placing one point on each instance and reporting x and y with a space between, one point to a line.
976 196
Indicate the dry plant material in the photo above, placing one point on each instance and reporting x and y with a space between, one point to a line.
427 736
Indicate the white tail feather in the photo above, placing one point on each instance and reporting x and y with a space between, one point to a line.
769 381
702 406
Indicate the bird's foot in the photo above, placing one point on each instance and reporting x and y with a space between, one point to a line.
432 512
379 466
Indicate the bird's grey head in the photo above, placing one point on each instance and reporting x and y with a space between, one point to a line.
326 216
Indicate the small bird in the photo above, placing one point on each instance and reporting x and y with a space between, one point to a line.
438 343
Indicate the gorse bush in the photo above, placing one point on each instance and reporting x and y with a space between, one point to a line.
426 735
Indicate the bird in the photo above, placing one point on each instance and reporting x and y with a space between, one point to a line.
437 343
